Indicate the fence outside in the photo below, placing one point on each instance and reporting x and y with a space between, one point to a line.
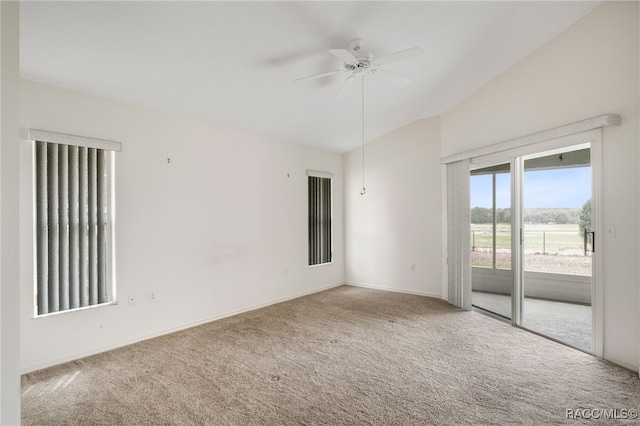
542 241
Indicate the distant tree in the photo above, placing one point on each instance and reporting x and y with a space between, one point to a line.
562 218
481 215
503 215
538 218
574 216
585 217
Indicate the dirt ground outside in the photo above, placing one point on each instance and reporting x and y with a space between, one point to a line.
567 263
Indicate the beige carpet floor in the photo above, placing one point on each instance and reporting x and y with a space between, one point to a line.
342 356
567 322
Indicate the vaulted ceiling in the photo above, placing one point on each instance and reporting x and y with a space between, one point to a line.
234 63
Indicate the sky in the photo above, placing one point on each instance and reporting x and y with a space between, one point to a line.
558 188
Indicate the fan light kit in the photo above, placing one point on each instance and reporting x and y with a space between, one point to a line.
357 64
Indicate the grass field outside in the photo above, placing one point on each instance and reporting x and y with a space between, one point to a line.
547 248
558 239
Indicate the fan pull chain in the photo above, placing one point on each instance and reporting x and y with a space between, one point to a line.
363 190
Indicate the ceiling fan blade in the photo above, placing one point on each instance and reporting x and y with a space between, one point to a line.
346 86
396 78
344 54
399 56
325 74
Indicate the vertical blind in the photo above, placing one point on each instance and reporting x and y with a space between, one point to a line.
319 220
458 234
72 220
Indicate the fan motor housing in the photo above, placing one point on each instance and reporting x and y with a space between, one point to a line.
365 60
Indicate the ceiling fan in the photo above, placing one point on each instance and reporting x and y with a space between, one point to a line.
357 63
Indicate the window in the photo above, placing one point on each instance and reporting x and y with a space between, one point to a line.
74 222
490 190
319 218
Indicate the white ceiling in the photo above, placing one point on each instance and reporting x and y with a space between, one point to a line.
233 63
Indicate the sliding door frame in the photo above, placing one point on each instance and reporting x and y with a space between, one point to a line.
517 240
514 156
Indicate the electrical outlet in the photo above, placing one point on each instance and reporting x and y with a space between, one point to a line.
412 268
132 299
153 296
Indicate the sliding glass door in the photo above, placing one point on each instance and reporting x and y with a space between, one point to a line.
533 240
557 245
491 274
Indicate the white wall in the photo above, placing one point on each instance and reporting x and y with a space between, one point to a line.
9 215
590 69
398 222
211 232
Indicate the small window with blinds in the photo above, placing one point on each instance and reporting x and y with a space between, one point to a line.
73 213
320 249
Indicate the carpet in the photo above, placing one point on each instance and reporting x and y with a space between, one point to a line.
342 356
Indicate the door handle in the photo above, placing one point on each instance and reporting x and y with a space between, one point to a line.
592 234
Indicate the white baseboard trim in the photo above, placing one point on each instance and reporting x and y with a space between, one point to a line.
616 361
396 290
101 349
95 351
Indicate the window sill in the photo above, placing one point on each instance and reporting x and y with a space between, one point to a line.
68 311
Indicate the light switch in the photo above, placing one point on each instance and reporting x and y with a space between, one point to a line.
611 231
